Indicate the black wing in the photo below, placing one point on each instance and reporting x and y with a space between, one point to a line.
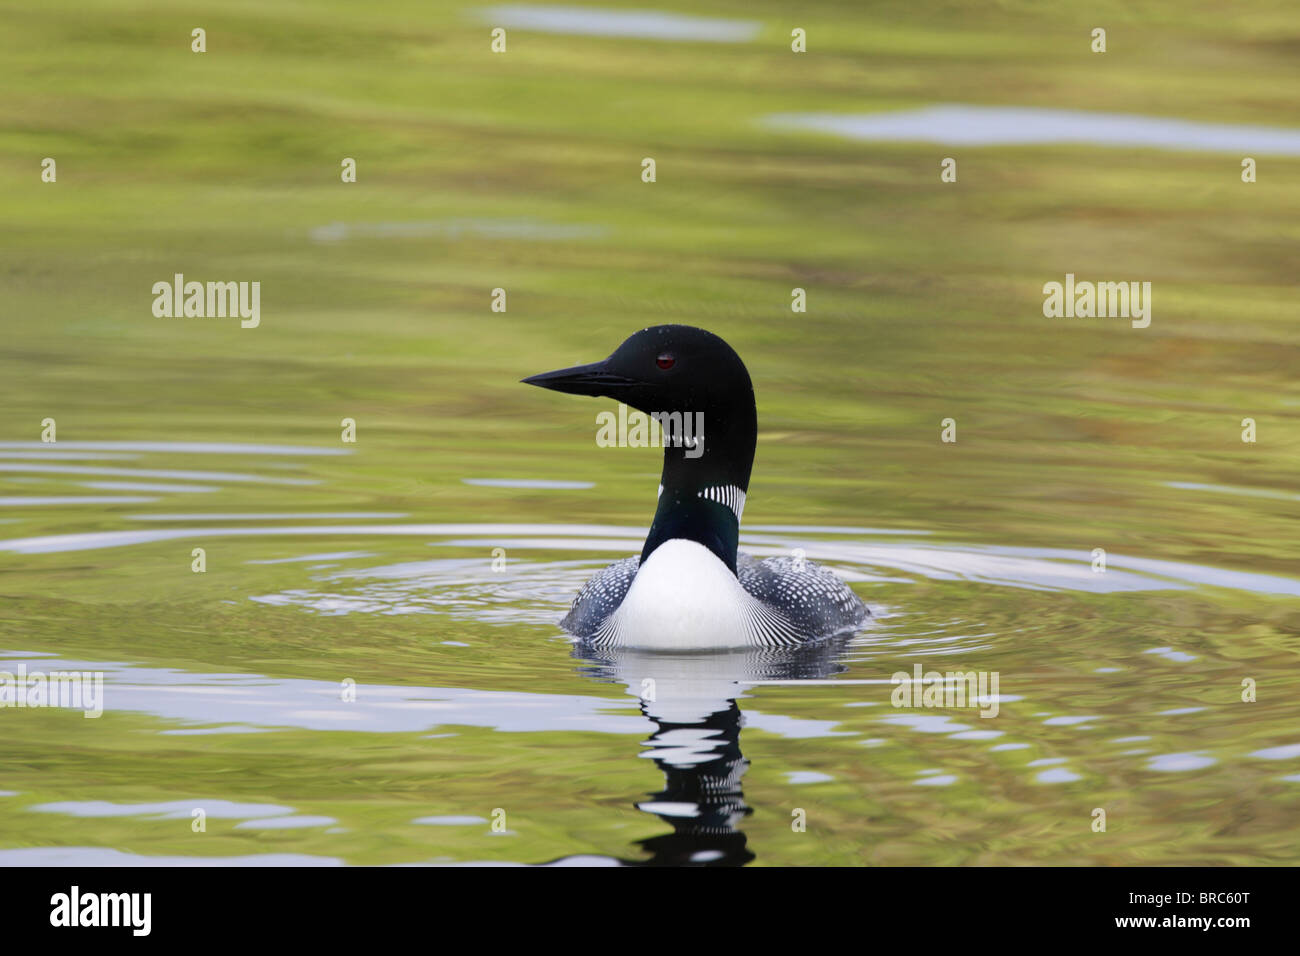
600 597
806 596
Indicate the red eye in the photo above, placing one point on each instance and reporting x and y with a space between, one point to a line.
665 360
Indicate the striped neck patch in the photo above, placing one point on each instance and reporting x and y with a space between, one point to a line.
728 495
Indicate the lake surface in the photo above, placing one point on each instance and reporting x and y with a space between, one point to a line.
963 125
380 692
368 669
595 21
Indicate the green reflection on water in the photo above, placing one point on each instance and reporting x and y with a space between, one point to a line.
924 303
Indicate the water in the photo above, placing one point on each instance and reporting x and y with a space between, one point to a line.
962 125
370 570
645 24
456 229
389 697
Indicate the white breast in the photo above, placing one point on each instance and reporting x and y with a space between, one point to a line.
683 598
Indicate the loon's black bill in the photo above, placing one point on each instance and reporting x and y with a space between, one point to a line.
593 379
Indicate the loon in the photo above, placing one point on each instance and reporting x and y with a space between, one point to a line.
690 589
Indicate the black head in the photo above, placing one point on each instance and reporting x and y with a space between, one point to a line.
665 368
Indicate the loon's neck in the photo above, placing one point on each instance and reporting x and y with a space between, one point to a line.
701 498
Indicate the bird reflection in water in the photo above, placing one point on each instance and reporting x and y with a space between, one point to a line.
693 701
